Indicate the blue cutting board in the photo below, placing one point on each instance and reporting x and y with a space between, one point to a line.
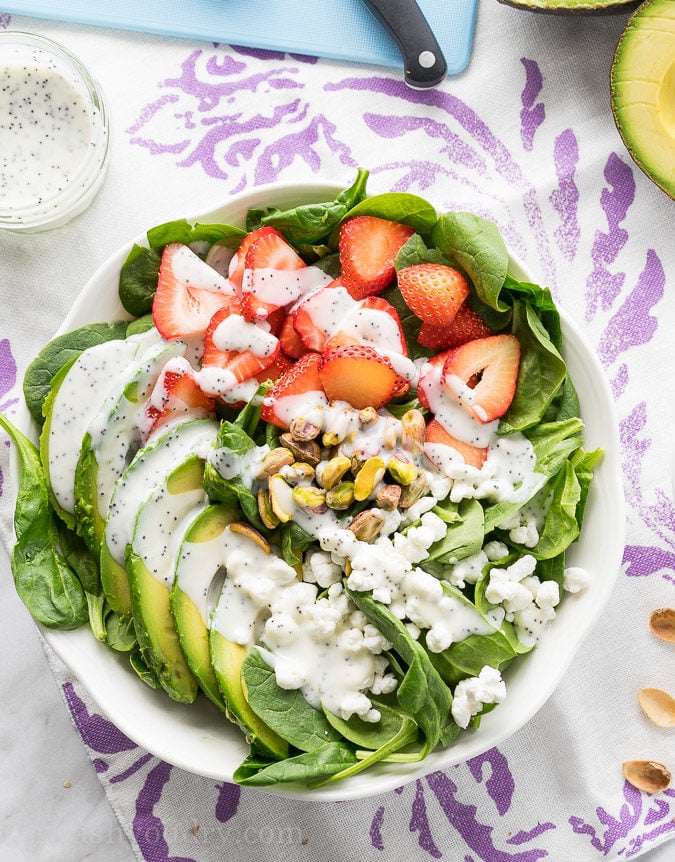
335 29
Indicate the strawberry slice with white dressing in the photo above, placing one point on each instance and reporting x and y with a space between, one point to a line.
299 387
482 375
189 292
275 276
238 260
235 350
177 395
320 314
442 448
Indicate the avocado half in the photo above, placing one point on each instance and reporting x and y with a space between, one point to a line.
572 7
642 82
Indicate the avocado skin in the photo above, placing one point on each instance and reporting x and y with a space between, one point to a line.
582 7
227 658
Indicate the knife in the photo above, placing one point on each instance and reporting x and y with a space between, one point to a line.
424 63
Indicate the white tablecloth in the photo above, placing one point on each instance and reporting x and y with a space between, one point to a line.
525 136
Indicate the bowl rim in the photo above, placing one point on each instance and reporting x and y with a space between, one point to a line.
87 659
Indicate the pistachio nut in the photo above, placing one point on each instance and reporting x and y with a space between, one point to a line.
388 497
366 525
302 429
411 493
299 471
368 477
401 468
251 533
308 496
308 451
274 460
329 473
265 511
341 496
368 415
281 498
413 431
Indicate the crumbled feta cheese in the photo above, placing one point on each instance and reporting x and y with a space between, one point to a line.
415 512
319 568
468 570
470 694
575 579
495 550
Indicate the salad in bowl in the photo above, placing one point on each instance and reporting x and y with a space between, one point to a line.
310 495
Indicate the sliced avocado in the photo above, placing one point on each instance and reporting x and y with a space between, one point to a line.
190 592
150 467
77 391
227 658
642 80
571 7
114 435
150 563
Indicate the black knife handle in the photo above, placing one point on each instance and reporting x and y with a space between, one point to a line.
424 63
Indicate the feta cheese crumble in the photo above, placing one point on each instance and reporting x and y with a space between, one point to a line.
472 693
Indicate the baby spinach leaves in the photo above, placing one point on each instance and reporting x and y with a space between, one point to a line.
44 581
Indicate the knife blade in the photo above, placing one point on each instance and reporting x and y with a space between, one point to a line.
423 61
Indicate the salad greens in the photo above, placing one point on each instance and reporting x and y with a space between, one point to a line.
57 576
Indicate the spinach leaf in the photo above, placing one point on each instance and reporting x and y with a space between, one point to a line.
560 525
541 373
371 735
80 559
144 672
120 631
233 492
44 581
477 246
421 693
468 657
465 533
284 711
138 280
400 207
140 325
311 224
410 324
54 355
186 233
330 758
294 542
248 418
584 464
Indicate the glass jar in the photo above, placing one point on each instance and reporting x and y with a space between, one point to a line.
54 135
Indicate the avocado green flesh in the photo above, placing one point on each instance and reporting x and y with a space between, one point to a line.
149 469
643 91
566 7
227 658
150 564
156 632
191 620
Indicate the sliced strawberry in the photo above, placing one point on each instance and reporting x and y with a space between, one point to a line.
266 285
176 394
358 375
238 346
432 291
276 370
436 434
374 322
301 379
465 326
236 270
367 246
291 343
189 292
482 375
321 313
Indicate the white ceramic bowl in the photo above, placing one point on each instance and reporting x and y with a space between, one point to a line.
199 739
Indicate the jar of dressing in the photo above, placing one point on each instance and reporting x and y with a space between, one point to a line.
54 137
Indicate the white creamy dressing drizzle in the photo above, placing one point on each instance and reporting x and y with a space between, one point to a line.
280 286
190 270
120 426
85 387
236 333
148 469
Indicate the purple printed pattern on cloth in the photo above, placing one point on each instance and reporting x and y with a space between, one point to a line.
220 125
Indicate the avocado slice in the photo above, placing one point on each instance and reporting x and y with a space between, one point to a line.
642 81
114 435
190 592
77 391
148 470
150 563
572 7
227 658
